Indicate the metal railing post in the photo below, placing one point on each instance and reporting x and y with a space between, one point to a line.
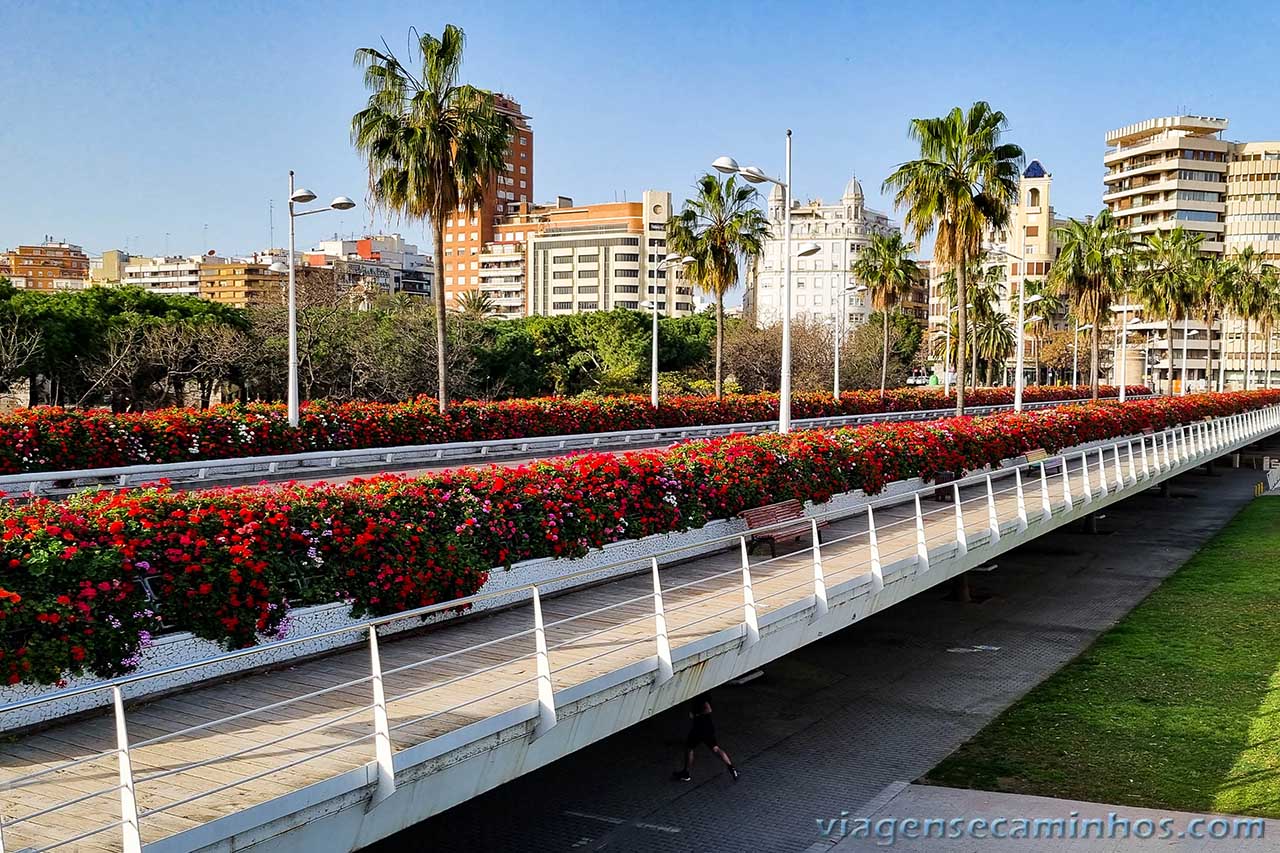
1168 457
130 834
1046 505
751 624
819 579
962 539
546 696
381 730
1066 484
1115 457
993 521
1133 468
1146 455
877 571
1084 475
1022 501
922 544
1102 474
665 670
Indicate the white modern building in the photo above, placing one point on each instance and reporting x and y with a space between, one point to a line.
170 275
818 282
378 263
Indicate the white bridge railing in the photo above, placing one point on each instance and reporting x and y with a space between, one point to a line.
320 463
1038 493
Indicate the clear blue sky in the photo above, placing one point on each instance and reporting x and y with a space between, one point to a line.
126 121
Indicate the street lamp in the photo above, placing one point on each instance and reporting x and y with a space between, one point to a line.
1123 310
753 174
299 196
840 314
1019 380
670 260
1185 334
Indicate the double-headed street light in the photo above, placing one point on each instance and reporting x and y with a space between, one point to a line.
1075 353
672 260
1123 310
753 174
299 196
1185 334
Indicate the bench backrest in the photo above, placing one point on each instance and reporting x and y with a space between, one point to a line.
763 516
1037 455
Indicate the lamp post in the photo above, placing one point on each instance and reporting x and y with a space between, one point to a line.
753 174
1123 343
840 314
299 196
1185 334
669 261
1075 353
1019 379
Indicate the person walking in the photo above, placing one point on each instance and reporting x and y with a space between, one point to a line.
701 731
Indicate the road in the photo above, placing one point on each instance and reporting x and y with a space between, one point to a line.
828 727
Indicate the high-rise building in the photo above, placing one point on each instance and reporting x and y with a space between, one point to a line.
1179 170
1166 172
564 258
470 229
52 265
820 282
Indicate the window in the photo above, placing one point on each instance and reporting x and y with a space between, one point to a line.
1198 195
588 306
1033 230
626 273
1195 215
524 140
626 256
1197 175
562 291
524 185
1033 198
588 273
524 170
561 306
588 259
562 274
627 288
524 155
562 259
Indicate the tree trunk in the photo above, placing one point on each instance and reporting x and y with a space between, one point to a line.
442 392
1093 359
1168 325
1248 361
884 354
1266 382
962 293
33 390
719 344
1222 351
974 372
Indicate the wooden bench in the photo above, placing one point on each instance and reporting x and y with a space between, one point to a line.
943 494
778 514
1052 465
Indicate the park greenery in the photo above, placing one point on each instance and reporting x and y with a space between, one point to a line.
132 351
1176 707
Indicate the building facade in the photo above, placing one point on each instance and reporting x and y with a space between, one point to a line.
51 266
822 282
168 275
107 269
470 229
374 265
242 284
1180 170
564 258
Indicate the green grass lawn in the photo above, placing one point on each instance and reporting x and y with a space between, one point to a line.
1178 706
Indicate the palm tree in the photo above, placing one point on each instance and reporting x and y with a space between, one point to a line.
1248 296
985 277
962 185
1049 306
431 144
1212 280
1093 259
1270 313
476 304
1166 280
886 268
719 227
993 338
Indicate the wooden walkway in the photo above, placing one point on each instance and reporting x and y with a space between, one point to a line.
185 778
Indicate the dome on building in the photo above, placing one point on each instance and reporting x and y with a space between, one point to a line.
853 189
775 194
1035 170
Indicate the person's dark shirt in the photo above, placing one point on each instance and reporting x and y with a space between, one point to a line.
698 705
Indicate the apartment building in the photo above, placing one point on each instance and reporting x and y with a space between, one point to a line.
1180 170
378 264
107 269
51 266
168 275
564 258
470 229
242 283
821 282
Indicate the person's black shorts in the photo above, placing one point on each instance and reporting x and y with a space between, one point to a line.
703 732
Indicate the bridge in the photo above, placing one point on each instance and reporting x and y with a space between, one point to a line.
339 751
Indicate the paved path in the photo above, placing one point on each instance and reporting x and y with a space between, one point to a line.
831 725
1050 825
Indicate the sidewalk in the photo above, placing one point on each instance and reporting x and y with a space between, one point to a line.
1054 825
